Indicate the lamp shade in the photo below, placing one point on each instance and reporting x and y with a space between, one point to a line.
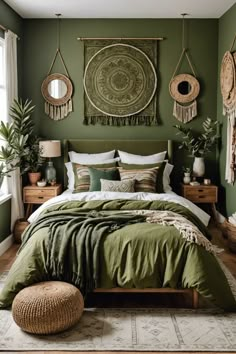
50 148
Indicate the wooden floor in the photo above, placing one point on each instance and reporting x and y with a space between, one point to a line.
135 300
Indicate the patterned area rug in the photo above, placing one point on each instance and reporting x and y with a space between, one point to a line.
131 330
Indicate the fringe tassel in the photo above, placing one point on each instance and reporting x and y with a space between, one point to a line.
230 112
185 113
58 112
121 121
230 173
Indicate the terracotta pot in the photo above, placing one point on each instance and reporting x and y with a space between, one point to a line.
34 177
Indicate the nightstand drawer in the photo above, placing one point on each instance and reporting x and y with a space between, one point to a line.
39 199
200 194
40 193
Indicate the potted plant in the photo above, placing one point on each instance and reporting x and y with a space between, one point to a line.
21 144
199 144
33 162
9 159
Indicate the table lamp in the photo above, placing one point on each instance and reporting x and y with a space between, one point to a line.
49 149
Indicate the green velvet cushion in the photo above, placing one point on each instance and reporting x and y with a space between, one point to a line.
160 165
82 176
96 175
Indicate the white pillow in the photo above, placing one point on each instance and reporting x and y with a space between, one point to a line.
70 175
90 158
140 159
166 177
70 172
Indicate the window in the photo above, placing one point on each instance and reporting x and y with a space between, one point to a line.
2 81
3 100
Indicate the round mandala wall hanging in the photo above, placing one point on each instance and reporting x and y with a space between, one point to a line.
120 80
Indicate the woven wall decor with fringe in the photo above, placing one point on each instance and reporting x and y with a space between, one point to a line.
120 83
228 83
228 91
182 110
57 90
185 104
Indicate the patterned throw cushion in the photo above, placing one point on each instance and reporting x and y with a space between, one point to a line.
145 180
117 186
82 176
159 165
97 174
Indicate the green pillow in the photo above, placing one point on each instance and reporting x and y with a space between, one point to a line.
97 175
159 180
82 177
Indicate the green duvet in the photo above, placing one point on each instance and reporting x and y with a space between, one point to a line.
94 244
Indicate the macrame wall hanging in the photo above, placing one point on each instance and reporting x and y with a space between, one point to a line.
228 91
57 88
184 89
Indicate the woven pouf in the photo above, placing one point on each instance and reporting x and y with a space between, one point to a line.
47 307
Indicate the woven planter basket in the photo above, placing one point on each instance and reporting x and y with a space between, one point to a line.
229 230
47 307
19 228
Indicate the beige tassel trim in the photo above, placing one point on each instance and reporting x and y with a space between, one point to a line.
185 113
58 112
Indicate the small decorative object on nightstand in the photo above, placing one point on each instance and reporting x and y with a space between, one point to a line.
201 194
187 175
38 195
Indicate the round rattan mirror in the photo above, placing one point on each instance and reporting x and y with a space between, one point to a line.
57 89
190 91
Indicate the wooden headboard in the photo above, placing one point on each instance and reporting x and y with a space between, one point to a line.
139 147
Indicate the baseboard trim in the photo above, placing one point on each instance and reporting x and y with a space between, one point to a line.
5 244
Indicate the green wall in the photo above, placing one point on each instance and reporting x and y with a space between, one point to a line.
40 43
12 21
5 220
227 31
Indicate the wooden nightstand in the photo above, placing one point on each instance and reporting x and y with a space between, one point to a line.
39 195
201 194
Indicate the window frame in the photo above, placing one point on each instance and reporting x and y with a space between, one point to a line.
2 44
3 187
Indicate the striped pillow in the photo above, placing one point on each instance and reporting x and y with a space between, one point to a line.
145 180
82 176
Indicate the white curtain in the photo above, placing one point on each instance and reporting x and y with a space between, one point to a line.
14 182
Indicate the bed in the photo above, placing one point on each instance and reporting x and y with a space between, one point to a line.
121 241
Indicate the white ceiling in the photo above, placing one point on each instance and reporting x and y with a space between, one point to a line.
120 8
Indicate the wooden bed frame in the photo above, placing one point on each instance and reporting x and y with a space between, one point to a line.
140 147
